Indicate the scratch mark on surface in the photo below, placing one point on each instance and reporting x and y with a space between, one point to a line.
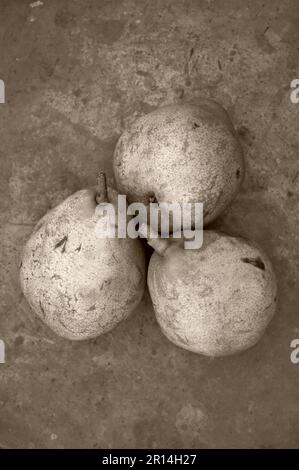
187 67
62 243
257 262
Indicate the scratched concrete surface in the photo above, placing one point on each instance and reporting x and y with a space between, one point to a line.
76 73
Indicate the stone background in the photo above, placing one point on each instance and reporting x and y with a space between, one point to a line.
76 73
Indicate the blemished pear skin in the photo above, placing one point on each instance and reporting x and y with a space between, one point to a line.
81 285
181 153
217 300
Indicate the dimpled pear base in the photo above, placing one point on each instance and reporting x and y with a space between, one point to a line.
181 153
80 285
217 300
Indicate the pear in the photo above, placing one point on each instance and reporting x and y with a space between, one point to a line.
81 285
216 300
182 153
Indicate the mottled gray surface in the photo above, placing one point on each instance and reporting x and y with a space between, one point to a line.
76 73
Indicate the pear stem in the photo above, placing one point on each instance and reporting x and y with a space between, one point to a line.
101 194
160 245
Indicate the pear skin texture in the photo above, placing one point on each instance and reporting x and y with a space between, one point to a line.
80 285
217 300
181 153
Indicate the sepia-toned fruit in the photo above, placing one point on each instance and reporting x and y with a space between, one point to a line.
181 153
216 300
79 284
